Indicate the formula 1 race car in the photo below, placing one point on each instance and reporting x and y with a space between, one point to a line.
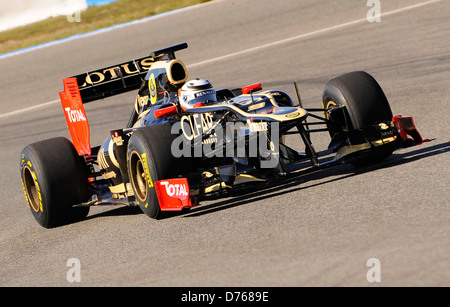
168 158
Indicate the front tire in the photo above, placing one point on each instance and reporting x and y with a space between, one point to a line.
150 160
366 105
54 178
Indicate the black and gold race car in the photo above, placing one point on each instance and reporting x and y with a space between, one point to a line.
169 158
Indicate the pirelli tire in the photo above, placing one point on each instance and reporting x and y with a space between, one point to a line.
366 104
54 179
149 160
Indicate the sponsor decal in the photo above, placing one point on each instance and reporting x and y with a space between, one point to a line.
257 127
173 194
256 106
147 171
383 126
117 139
199 94
108 74
175 190
152 87
293 115
194 126
75 116
41 207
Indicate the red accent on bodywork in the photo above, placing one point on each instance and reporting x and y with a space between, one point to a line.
198 105
166 112
173 194
76 116
251 88
405 126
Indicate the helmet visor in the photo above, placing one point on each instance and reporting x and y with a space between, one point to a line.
202 96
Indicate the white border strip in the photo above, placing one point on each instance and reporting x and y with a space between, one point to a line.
231 55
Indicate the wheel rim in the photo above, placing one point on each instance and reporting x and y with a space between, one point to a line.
31 190
330 104
138 176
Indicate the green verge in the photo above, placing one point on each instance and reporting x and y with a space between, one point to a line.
93 18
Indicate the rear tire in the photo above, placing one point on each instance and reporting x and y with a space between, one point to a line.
54 178
366 105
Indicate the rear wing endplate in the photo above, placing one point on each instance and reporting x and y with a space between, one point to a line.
76 117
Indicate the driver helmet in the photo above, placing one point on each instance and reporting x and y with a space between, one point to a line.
195 93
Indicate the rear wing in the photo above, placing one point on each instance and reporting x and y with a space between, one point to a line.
121 78
104 83
113 80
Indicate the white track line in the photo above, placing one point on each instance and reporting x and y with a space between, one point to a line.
29 109
254 49
310 34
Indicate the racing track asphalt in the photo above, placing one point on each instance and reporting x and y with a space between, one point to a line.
317 230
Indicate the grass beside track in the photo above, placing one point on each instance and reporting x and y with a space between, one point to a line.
93 18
